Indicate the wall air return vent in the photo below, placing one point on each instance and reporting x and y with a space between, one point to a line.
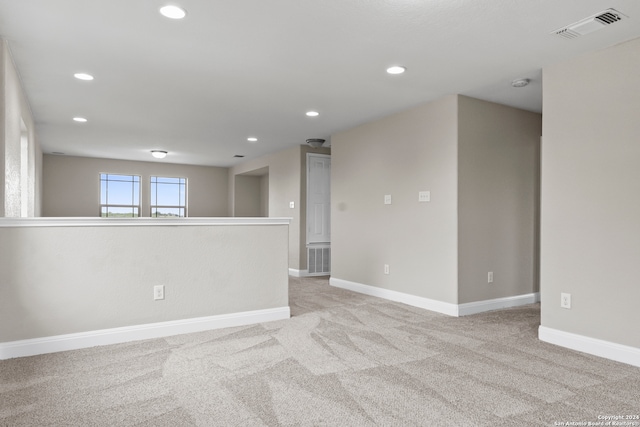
590 24
318 261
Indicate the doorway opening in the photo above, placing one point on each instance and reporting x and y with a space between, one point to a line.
251 198
318 214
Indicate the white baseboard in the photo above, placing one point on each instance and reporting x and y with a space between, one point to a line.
426 303
304 273
298 273
80 340
497 304
435 305
601 348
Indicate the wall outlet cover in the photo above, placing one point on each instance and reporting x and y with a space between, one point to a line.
565 300
158 292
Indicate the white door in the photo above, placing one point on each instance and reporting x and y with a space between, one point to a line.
318 198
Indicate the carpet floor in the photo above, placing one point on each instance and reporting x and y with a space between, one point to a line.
343 359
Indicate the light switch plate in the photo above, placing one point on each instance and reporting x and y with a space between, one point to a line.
424 196
387 199
292 205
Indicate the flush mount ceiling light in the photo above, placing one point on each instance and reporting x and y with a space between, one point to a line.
520 82
312 113
252 139
80 119
396 69
173 12
159 154
83 76
315 142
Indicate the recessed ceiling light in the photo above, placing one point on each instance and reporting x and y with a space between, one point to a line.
312 113
159 154
252 139
80 119
83 76
396 69
173 12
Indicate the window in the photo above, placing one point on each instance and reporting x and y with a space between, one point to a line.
119 195
168 197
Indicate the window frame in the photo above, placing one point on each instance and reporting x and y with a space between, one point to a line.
182 181
135 209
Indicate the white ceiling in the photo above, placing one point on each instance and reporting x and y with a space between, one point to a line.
238 68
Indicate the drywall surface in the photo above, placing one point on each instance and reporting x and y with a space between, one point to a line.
19 181
284 187
59 280
591 195
286 182
248 197
498 157
400 155
3 108
72 185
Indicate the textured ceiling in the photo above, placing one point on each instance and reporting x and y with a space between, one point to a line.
239 68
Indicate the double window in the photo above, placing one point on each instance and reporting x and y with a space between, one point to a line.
120 196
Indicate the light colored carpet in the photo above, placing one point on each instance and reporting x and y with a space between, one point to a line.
343 359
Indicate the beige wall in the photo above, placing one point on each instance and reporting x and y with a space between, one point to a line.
72 185
106 277
248 197
591 195
284 186
14 114
400 155
287 183
498 157
479 160
264 195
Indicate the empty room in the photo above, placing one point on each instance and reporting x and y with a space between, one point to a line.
344 213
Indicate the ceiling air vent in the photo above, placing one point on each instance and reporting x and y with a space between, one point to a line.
590 24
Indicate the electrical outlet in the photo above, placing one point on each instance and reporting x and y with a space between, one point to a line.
386 269
490 277
565 300
158 292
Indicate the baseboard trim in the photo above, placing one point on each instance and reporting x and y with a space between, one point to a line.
497 303
53 344
298 273
435 305
420 302
305 273
594 346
